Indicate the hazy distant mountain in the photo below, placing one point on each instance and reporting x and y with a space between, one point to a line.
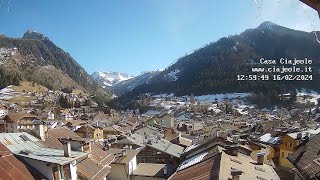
119 83
125 86
38 59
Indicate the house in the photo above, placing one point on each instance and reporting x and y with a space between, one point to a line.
50 115
149 171
50 163
91 132
123 129
54 136
95 166
158 150
124 164
192 128
12 168
181 141
68 114
149 131
25 122
109 132
75 124
289 142
306 159
165 120
214 160
3 111
132 140
268 150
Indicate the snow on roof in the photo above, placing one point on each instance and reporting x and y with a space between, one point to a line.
193 160
308 133
267 138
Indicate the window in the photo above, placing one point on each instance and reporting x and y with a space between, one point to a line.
291 144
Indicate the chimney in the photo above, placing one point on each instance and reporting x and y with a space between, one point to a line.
243 142
165 170
90 143
67 149
299 135
235 138
222 134
124 152
232 150
260 158
236 174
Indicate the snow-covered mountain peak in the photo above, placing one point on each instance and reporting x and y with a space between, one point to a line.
109 79
268 25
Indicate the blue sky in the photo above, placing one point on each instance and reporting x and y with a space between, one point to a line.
134 36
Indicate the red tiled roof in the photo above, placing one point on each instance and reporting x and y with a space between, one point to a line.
11 167
89 169
96 165
52 142
101 156
64 132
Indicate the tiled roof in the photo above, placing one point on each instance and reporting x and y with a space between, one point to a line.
75 123
52 142
132 139
129 155
11 168
306 158
167 147
90 169
152 170
64 132
100 156
20 115
95 166
247 165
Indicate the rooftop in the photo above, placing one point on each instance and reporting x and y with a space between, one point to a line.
20 115
25 145
167 147
306 158
127 157
64 132
152 170
305 133
11 167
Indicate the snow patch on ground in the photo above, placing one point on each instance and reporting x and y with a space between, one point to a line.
173 75
220 97
7 93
